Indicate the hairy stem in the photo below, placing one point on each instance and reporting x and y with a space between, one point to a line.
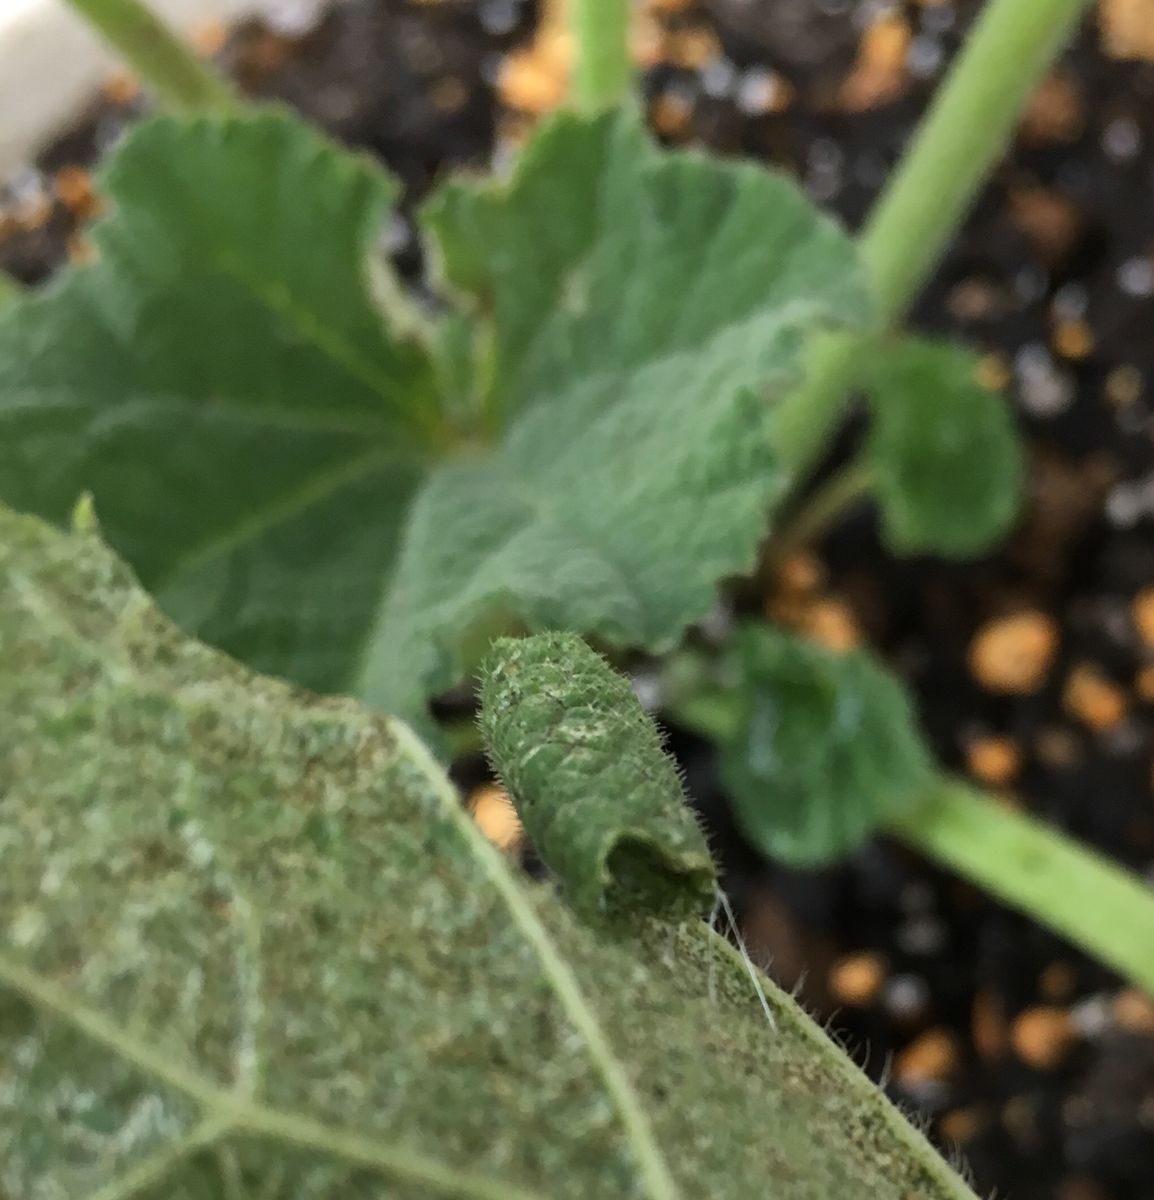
603 70
1037 869
961 138
163 62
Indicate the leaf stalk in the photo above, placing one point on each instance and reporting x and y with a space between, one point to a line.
162 60
821 511
602 71
961 138
1037 869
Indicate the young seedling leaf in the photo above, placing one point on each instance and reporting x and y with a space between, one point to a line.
255 946
944 454
599 796
636 313
345 499
826 748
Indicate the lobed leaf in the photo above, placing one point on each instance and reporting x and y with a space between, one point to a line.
253 946
825 749
595 789
340 499
637 311
221 380
945 457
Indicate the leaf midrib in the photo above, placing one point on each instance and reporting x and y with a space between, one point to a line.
256 522
279 301
654 1169
167 404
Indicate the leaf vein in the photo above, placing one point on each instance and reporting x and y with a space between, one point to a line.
235 1112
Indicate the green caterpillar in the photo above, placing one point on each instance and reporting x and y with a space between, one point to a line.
595 789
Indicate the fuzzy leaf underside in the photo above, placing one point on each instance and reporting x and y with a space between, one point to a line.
825 750
637 312
253 946
945 457
596 791
339 500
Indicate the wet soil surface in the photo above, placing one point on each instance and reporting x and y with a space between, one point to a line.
1031 1059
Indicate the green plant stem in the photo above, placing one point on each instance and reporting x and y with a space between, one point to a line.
821 510
161 60
1038 870
963 135
603 70
10 289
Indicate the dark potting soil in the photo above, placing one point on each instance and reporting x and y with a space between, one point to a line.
1034 1061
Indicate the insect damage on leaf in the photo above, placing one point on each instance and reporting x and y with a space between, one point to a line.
595 790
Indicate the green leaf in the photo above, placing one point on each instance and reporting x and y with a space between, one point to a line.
254 946
221 380
945 456
584 445
637 311
823 750
595 789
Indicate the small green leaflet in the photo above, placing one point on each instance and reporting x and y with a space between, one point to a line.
253 945
944 454
342 491
824 749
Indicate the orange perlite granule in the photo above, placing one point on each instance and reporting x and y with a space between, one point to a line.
1093 699
988 1029
857 979
536 79
73 188
995 761
496 817
1133 1011
1073 339
1127 28
209 37
880 72
960 1125
120 88
993 372
801 571
928 1059
1142 611
1055 112
831 624
1042 1037
1013 655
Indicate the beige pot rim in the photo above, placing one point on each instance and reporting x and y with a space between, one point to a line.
51 64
